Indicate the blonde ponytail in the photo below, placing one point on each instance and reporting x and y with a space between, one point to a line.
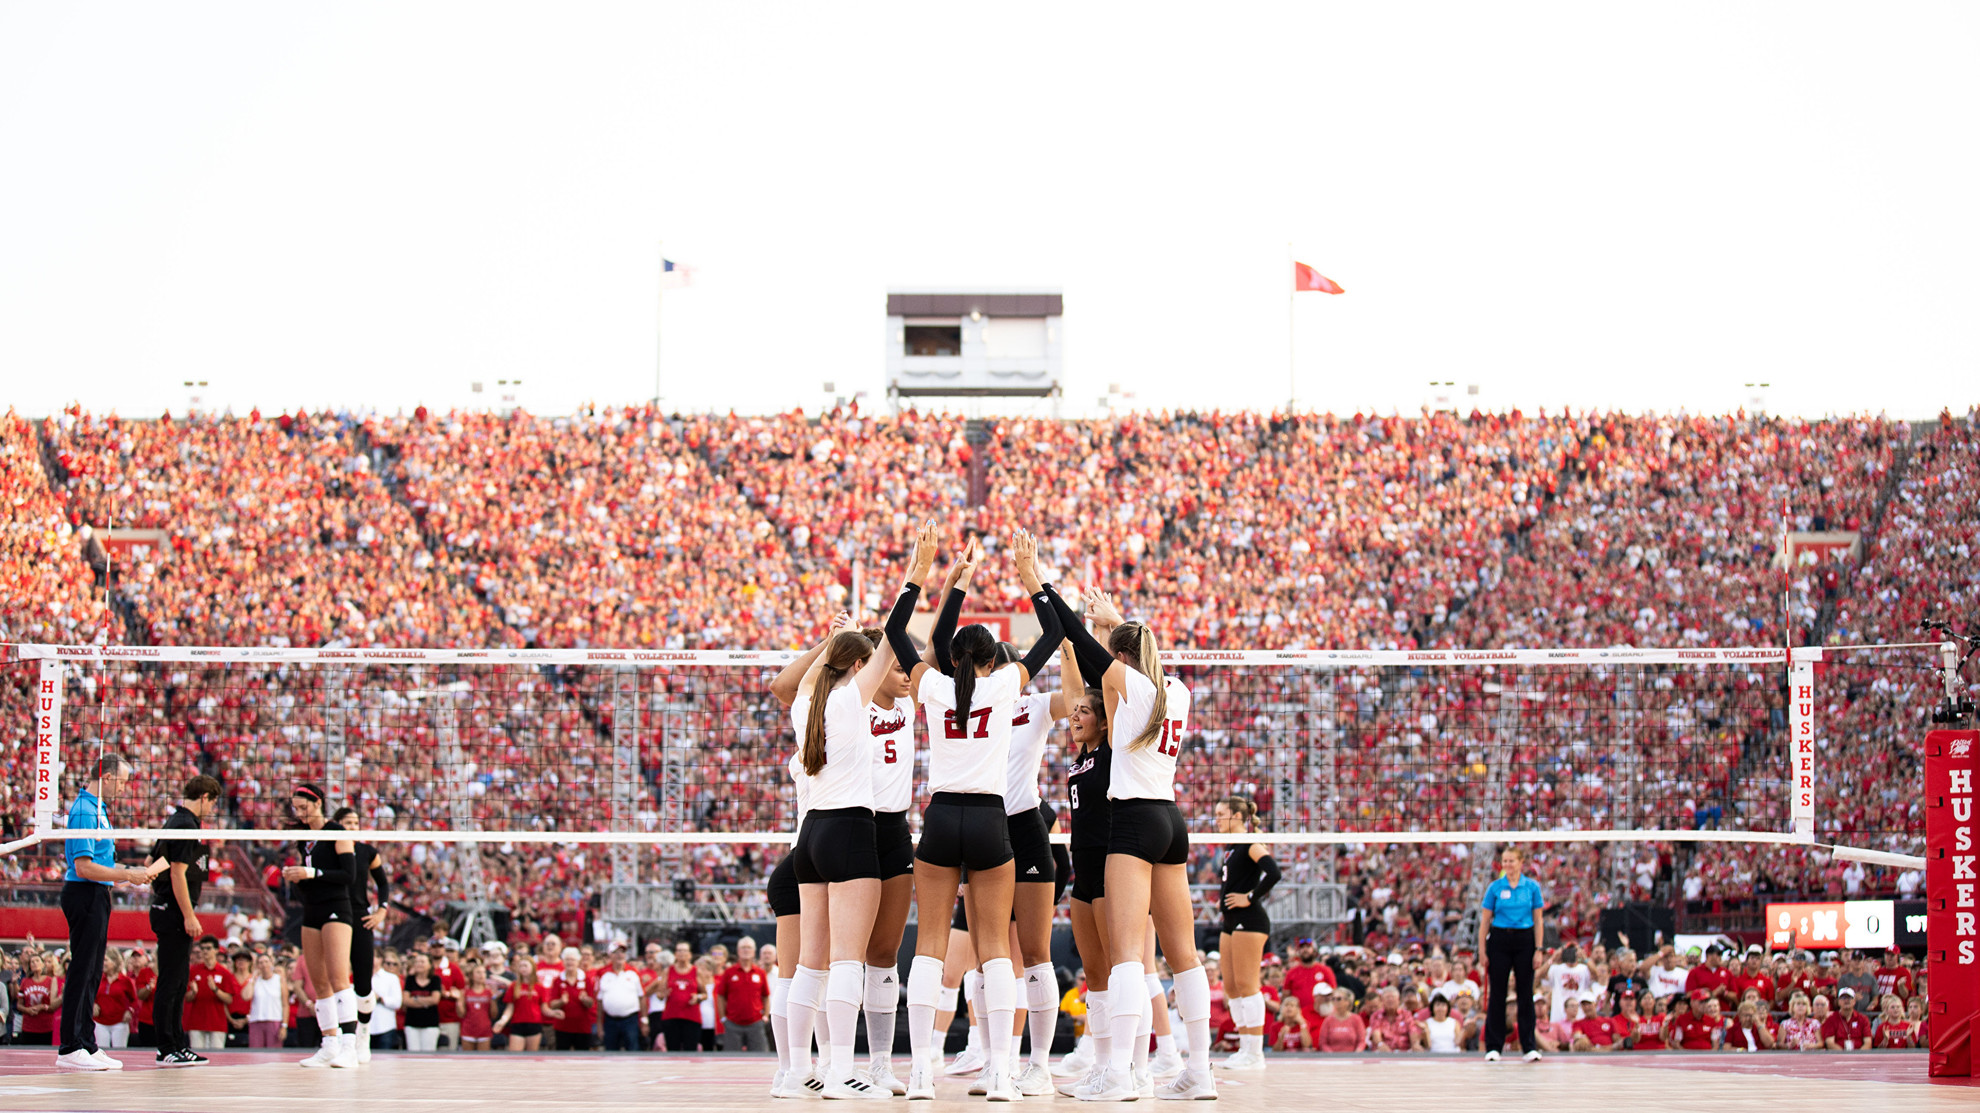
1140 640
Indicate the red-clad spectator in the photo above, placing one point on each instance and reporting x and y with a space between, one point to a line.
1287 1029
210 989
453 988
116 1000
1691 1029
1592 1030
144 979
1641 1027
1751 1029
575 1002
1893 977
1846 1029
1341 1030
1713 977
681 1017
742 993
1304 975
1754 976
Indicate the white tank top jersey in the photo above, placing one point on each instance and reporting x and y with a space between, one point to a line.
846 781
972 756
801 786
893 755
267 1003
1031 725
1150 772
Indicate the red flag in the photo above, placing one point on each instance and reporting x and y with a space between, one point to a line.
1306 278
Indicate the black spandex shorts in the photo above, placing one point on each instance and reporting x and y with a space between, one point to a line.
1031 846
1247 919
964 829
320 915
893 843
836 845
782 889
1151 830
525 1030
1089 873
361 959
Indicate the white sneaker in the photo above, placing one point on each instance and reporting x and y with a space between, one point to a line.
364 1047
968 1062
345 1054
1243 1060
1533 1056
1034 1081
854 1088
997 1084
79 1059
777 1083
1165 1064
1076 1064
107 1061
920 1081
325 1055
1189 1086
1111 1085
1071 1087
881 1074
1491 1056
1144 1082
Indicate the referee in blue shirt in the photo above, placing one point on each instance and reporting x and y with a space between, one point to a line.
92 870
1508 936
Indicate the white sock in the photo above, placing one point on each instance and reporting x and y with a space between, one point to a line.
1041 1002
999 988
979 1009
1146 1028
1165 1044
947 998
806 989
844 989
924 996
883 998
1193 1005
1126 1018
1099 1025
780 1019
821 1026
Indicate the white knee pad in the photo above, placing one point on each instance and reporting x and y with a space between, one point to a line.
950 999
1154 984
1126 974
846 983
808 988
883 990
1193 995
924 986
999 986
1041 987
780 996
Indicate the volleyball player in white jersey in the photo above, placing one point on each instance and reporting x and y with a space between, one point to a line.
969 733
1147 847
890 717
838 869
782 888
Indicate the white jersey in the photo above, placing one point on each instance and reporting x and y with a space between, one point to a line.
893 755
1148 773
970 756
1031 725
846 780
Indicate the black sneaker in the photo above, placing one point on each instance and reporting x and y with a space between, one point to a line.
182 1058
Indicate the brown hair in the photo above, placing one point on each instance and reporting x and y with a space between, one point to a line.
1135 640
201 787
1245 809
847 650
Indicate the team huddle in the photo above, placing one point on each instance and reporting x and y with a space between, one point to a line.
841 896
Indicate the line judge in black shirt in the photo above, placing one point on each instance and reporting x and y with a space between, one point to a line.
174 898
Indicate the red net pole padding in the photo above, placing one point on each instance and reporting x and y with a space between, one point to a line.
1952 897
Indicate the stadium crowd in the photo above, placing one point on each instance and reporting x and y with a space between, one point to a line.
630 527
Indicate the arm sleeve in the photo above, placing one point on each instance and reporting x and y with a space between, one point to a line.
1268 876
897 621
1094 660
1050 633
945 630
346 869
381 879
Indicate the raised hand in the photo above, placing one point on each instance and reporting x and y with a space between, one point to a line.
967 562
1024 557
841 621
1100 607
924 552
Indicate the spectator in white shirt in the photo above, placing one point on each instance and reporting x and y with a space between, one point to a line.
385 1010
619 1000
1567 979
1667 978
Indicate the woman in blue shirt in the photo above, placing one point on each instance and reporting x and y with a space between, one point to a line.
1508 936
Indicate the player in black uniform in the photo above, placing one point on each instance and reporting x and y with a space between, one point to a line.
1086 790
369 861
1249 874
324 886
174 896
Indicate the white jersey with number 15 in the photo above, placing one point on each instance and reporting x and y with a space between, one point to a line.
1148 773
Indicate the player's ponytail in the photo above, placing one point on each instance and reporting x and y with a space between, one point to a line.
847 650
973 647
1245 809
1138 641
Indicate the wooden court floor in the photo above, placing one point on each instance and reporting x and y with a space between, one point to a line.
252 1082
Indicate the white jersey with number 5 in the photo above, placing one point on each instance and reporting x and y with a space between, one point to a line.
893 755
1148 773
969 756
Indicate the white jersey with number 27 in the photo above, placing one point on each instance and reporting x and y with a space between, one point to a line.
1148 773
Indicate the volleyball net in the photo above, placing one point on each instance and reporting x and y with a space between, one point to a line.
677 759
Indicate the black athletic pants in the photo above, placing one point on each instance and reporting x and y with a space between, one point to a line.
1509 951
86 905
168 1008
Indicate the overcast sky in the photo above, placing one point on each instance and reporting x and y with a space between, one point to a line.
1641 205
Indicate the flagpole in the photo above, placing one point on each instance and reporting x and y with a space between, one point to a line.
660 319
1292 347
